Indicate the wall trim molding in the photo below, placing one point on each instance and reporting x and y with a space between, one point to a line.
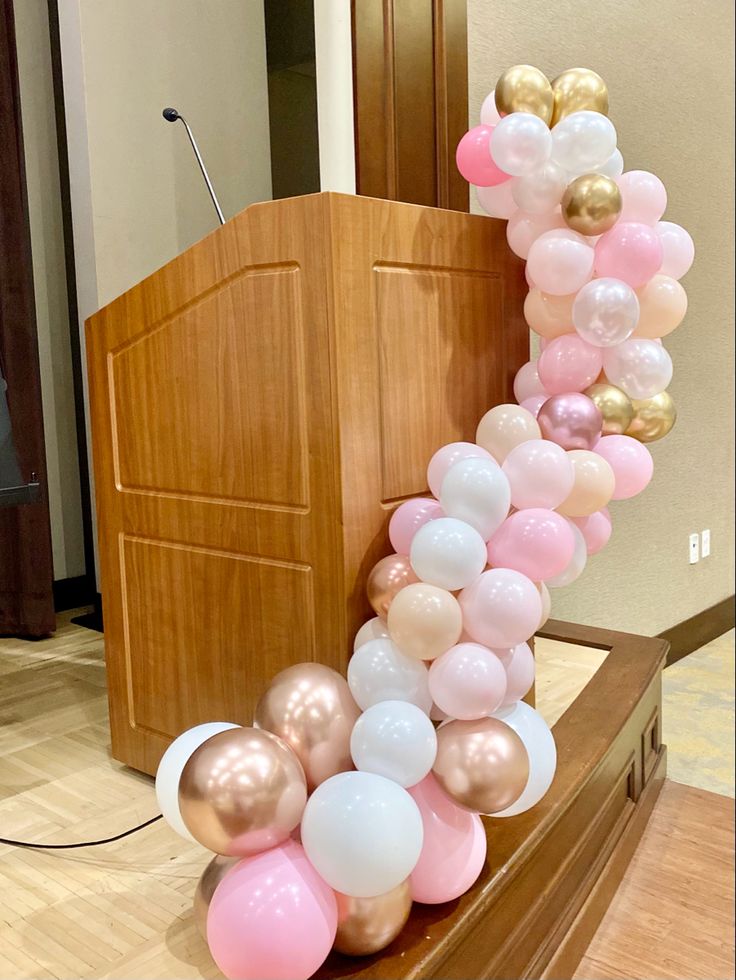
695 632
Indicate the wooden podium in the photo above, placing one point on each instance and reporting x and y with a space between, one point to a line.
259 406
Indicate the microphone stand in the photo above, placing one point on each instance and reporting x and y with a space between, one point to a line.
171 115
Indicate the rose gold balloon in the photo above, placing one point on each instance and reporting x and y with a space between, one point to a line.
311 708
386 579
241 792
424 621
209 880
367 925
593 487
482 765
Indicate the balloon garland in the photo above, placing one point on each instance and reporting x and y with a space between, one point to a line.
344 803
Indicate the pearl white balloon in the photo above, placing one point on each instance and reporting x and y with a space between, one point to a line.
170 769
582 141
488 112
379 671
448 552
362 832
641 368
374 629
542 190
539 743
605 312
497 201
576 564
477 492
614 165
394 739
520 144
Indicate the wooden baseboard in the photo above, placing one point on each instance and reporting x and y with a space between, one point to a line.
695 632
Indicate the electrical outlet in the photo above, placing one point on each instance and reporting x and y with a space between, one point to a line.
705 543
694 548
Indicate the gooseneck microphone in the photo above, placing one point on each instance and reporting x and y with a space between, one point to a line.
171 115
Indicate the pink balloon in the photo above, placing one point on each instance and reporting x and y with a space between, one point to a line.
468 681
572 420
520 672
678 249
501 608
534 403
540 474
454 847
596 529
536 542
524 229
272 917
474 160
568 363
630 251
446 457
643 195
560 262
631 462
408 518
527 383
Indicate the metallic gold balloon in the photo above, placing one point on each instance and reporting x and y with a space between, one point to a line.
209 880
653 417
577 89
387 578
367 925
311 708
482 765
591 204
614 405
524 88
241 792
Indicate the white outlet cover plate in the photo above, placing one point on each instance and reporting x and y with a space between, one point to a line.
705 543
694 548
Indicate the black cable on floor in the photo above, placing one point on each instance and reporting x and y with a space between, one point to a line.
85 843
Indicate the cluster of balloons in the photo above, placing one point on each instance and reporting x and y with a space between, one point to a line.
348 799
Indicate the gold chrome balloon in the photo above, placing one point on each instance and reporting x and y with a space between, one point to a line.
524 88
653 417
311 708
367 925
614 405
209 880
591 204
241 792
482 765
577 89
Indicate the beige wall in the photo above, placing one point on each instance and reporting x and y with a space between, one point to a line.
49 274
669 69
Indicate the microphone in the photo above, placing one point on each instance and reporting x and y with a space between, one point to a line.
171 115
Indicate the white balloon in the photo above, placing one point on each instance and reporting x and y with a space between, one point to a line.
539 743
497 201
520 143
394 739
542 190
614 165
379 671
171 766
524 228
488 112
363 833
576 564
582 141
605 312
641 368
374 629
477 492
448 553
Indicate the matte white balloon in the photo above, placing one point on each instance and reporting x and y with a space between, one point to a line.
448 552
520 143
374 629
524 228
541 191
379 671
582 141
362 832
477 492
489 115
576 564
170 769
614 165
497 201
539 743
641 368
394 739
605 312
